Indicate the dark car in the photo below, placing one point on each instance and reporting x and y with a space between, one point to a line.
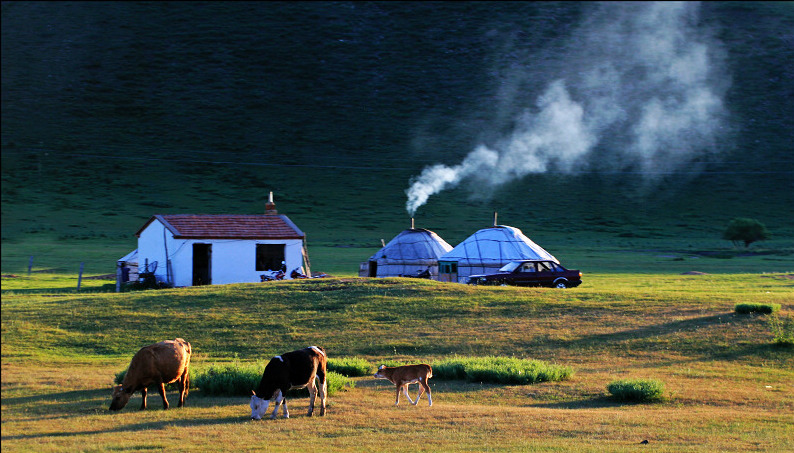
530 273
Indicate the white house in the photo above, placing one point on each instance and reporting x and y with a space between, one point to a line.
189 250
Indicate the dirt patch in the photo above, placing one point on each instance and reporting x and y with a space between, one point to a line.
10 276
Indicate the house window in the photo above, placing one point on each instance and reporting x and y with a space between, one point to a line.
448 267
269 257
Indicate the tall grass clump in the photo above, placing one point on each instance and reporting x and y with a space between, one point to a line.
119 378
782 330
239 380
351 366
637 390
499 370
766 309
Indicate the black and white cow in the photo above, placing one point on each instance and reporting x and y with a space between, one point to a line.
291 370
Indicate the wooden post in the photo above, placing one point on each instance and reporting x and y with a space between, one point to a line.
80 277
118 276
30 264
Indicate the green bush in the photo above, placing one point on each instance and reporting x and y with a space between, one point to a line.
499 370
767 309
168 387
782 330
745 230
235 379
638 390
239 380
351 366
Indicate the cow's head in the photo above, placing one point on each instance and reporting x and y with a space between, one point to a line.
120 398
379 373
258 406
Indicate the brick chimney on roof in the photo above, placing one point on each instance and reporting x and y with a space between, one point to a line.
270 207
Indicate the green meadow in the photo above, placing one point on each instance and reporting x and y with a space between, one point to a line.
727 386
113 112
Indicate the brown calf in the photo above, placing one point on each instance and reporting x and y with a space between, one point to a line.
401 376
157 364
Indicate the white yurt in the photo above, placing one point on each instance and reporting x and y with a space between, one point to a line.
411 252
485 251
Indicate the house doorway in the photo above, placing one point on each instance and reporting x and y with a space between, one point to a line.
202 264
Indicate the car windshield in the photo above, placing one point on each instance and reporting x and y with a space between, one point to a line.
510 267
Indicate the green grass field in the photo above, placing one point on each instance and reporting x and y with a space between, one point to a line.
727 387
117 111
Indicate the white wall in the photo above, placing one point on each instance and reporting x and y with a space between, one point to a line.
233 260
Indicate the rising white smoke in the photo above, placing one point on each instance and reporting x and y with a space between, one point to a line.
641 80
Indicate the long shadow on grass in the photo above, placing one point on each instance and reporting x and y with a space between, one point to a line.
650 331
79 403
589 403
136 427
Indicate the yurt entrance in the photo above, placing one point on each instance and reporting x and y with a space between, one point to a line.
447 271
373 269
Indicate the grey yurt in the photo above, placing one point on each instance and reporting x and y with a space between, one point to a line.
412 253
485 251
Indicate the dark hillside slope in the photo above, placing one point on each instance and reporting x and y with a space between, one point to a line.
114 111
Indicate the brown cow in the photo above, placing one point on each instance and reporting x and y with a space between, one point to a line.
401 376
157 364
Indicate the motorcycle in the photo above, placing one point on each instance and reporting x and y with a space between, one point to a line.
419 274
270 276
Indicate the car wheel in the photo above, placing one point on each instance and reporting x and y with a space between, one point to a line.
561 284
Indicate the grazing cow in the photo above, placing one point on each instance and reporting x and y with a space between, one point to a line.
292 370
157 364
401 376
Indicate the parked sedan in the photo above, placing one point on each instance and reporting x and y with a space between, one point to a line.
530 273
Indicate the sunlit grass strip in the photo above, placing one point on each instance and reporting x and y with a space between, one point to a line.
766 309
351 366
637 390
500 370
239 380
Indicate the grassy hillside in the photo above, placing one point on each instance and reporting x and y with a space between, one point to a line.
113 112
727 387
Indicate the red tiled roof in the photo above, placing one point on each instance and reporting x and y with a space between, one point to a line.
190 226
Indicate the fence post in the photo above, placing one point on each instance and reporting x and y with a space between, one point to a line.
80 277
30 264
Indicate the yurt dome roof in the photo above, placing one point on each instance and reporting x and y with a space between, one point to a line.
496 245
415 246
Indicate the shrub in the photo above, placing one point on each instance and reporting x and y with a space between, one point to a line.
782 330
745 230
239 380
639 390
767 309
351 366
168 387
500 370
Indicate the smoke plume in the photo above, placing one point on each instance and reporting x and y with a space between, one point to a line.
642 83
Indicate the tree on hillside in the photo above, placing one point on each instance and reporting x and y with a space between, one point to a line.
745 230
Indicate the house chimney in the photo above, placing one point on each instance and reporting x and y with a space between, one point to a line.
270 207
412 223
